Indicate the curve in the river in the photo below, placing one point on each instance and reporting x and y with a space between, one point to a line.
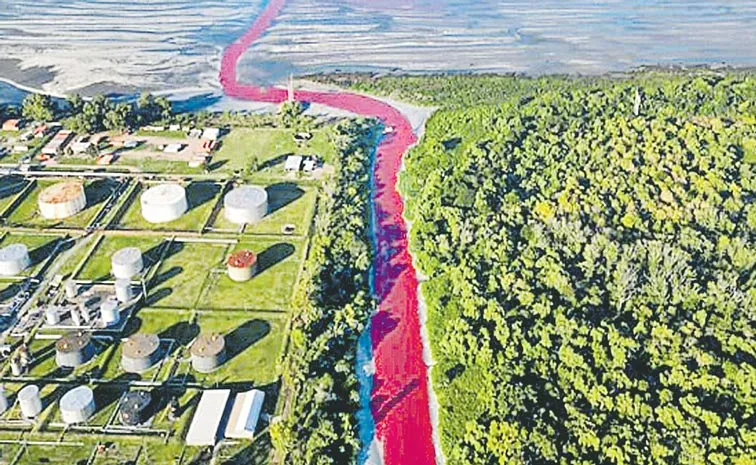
399 401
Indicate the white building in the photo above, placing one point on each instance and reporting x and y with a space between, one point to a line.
205 427
293 163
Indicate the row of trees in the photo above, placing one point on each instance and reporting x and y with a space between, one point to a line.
98 113
592 268
332 307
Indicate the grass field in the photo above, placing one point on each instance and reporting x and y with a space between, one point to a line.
201 197
253 344
270 289
27 212
270 147
288 203
97 266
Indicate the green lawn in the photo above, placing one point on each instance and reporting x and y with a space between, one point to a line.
270 147
52 455
269 289
180 278
97 266
288 204
201 196
166 133
10 187
40 247
27 212
253 344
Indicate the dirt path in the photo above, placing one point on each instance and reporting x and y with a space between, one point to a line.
399 399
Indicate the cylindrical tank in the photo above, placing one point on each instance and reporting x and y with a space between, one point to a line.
52 316
14 259
16 368
140 352
62 200
73 349
77 405
72 290
29 401
127 263
109 312
134 409
164 203
208 352
75 316
3 401
246 204
123 290
241 265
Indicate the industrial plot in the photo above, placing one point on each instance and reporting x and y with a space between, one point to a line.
125 308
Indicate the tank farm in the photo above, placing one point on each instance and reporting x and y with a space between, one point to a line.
400 400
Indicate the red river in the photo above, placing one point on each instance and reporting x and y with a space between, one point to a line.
399 400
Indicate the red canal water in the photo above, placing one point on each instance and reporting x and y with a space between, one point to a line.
399 401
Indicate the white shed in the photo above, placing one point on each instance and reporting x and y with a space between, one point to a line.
204 430
245 414
293 163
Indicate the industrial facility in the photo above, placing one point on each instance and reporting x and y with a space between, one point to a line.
246 205
74 349
164 203
62 200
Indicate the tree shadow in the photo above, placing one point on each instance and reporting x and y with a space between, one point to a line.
200 192
258 451
241 338
273 162
282 194
274 255
216 165
41 253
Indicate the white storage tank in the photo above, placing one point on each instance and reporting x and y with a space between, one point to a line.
14 259
123 290
62 200
246 204
77 405
164 203
52 316
109 312
241 265
72 290
3 401
29 401
127 263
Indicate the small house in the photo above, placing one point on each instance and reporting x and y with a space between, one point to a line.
58 143
12 125
293 163
310 164
211 134
245 414
173 148
205 427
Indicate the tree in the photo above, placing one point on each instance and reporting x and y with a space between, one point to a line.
75 104
38 107
119 117
289 113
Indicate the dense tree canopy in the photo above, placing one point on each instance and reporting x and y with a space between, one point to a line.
592 267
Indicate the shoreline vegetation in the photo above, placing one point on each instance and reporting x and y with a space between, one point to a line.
589 248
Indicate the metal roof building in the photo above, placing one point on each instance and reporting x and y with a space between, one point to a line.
245 414
205 427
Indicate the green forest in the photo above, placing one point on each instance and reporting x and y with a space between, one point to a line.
590 247
333 303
